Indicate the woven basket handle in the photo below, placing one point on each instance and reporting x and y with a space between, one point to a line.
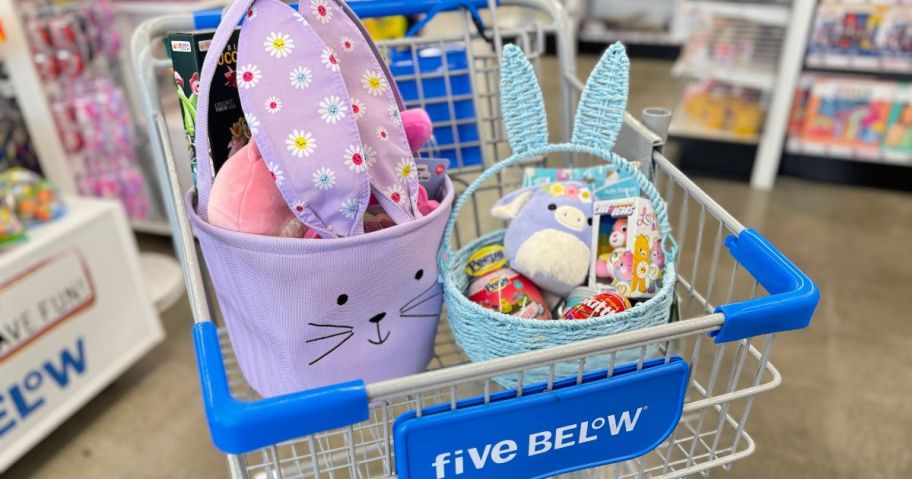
599 118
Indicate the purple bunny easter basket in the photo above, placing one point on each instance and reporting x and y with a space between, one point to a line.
303 313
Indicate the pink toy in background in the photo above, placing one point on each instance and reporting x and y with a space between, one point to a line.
244 196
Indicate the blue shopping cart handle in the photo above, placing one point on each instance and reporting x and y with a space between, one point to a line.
792 299
210 18
238 426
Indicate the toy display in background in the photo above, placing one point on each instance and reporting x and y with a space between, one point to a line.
898 138
95 122
30 197
865 35
852 116
605 181
548 237
76 52
629 257
15 144
11 229
719 106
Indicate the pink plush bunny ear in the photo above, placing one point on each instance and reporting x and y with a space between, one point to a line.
375 103
290 84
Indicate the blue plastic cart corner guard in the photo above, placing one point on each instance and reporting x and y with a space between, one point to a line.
210 18
238 426
792 299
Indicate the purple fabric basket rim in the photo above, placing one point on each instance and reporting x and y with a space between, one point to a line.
296 246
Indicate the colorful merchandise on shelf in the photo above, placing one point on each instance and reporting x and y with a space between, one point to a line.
848 113
628 253
11 229
32 198
895 38
229 129
605 181
898 138
867 36
549 232
715 105
509 292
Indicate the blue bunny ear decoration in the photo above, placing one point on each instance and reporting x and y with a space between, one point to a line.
522 104
601 110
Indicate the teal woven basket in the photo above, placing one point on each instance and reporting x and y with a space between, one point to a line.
485 334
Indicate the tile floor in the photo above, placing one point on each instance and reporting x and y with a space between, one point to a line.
842 411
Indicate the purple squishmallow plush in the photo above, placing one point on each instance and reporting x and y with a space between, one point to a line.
549 234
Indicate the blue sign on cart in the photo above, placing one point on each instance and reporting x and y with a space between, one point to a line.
575 426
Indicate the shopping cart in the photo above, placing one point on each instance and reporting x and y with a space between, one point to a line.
720 353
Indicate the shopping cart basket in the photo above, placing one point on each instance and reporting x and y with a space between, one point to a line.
681 412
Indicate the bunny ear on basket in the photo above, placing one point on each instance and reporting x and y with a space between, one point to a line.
290 82
600 114
375 104
522 104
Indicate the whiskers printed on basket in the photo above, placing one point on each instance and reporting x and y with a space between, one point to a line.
413 309
337 332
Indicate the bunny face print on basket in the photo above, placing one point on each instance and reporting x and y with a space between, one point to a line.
354 328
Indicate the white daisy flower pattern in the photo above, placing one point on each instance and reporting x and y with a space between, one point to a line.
348 45
301 77
383 133
324 178
358 108
273 104
299 206
248 76
276 173
406 169
279 45
330 59
369 155
321 10
349 208
355 159
253 124
332 109
395 193
251 13
301 143
394 114
374 82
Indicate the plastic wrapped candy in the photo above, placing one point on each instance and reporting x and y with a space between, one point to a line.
31 198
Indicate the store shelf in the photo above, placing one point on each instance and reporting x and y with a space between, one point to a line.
682 127
829 150
829 61
759 76
162 278
767 14
152 227
149 9
597 32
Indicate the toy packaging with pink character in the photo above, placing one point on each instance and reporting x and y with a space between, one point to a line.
628 256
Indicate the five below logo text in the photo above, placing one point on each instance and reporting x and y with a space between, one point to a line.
457 461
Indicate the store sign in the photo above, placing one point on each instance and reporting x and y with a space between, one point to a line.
541 434
41 297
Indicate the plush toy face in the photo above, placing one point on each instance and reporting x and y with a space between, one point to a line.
618 236
548 238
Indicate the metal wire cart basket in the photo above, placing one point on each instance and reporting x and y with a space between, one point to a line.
673 414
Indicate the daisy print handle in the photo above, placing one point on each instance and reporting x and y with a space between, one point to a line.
292 89
374 103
